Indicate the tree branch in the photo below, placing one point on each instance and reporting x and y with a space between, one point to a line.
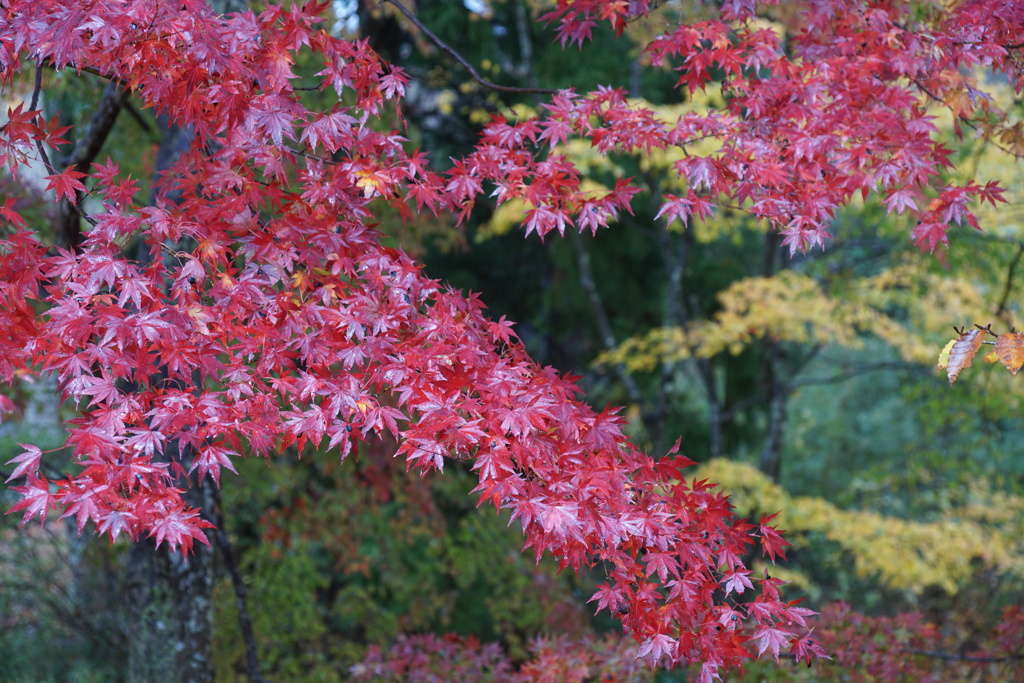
964 119
738 407
949 656
38 87
86 149
597 309
1001 310
525 67
462 60
252 662
42 150
777 388
102 123
137 117
854 371
676 261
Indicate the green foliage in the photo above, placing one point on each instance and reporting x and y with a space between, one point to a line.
342 556
53 628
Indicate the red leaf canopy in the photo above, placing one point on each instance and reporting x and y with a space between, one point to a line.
264 311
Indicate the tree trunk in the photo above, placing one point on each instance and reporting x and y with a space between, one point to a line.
778 396
169 601
170 594
777 389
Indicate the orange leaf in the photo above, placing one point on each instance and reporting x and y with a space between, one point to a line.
372 181
1010 349
962 353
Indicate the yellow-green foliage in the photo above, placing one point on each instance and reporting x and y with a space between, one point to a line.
787 307
908 305
933 302
904 555
994 509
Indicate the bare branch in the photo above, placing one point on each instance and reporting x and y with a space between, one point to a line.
597 309
88 147
856 370
137 117
952 657
1001 310
37 88
252 662
964 119
462 60
42 150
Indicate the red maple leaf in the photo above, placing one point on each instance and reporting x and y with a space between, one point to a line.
28 461
66 184
36 499
772 542
771 639
7 212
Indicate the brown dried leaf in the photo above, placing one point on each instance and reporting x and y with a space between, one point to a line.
962 353
1010 349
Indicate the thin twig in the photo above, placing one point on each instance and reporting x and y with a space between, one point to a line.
42 150
1009 282
462 60
94 72
137 116
676 261
949 656
856 371
964 119
738 407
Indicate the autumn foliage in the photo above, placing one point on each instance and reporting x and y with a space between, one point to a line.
253 306
959 353
904 648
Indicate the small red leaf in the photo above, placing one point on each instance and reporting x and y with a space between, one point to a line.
772 542
771 640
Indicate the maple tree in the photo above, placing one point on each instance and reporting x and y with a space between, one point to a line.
253 306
